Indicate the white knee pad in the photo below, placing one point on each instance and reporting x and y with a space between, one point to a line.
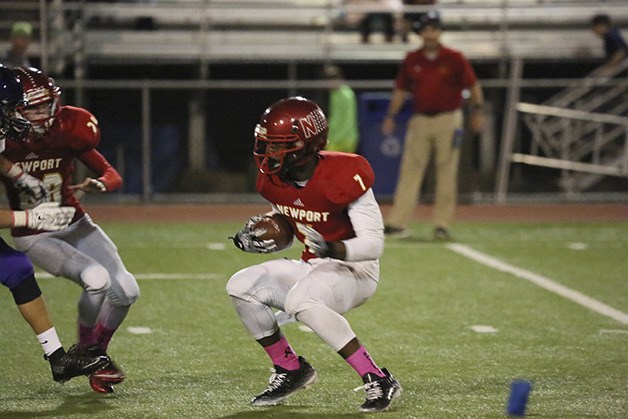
95 279
241 284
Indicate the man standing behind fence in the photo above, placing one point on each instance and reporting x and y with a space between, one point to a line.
615 47
436 77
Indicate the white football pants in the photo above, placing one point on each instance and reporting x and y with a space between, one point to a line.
317 293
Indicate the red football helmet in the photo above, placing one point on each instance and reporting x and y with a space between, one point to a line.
290 133
42 96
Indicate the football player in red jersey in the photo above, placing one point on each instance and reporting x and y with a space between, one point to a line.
327 197
82 252
16 270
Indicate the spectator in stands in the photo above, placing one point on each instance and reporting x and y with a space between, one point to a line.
412 20
371 20
615 47
342 113
435 76
21 36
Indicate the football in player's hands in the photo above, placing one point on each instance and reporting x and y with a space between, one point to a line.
275 227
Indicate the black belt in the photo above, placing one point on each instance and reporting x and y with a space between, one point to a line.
432 113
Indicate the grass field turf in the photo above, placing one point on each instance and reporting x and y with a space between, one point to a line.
199 362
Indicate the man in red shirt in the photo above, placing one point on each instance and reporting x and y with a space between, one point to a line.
82 252
328 200
436 76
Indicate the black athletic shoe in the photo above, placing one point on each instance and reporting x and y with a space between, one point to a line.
380 391
71 365
441 233
102 380
284 383
396 232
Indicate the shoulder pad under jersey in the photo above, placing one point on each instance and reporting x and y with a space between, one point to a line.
351 176
78 127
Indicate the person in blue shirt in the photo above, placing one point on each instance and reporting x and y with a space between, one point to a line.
615 47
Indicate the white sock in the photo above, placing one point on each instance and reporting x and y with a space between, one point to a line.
49 340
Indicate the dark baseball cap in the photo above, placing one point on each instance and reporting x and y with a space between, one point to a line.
431 18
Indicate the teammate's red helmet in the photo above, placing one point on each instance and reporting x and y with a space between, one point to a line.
290 133
39 88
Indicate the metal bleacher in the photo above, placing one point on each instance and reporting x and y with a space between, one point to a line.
74 37
188 31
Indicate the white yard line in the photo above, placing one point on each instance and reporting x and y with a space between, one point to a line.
541 281
43 275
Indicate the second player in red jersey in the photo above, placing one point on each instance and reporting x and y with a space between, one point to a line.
82 252
74 134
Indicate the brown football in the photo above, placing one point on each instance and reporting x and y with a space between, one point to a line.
277 228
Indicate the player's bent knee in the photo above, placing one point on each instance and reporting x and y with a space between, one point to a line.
295 303
242 282
236 286
127 294
95 279
132 294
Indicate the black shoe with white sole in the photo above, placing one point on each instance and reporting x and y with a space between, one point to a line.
284 383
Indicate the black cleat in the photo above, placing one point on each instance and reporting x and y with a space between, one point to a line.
380 391
71 365
441 233
396 232
103 379
284 383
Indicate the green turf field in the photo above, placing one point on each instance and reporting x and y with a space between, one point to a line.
198 362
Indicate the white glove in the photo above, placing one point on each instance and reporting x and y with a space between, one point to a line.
248 240
35 190
47 216
99 185
314 241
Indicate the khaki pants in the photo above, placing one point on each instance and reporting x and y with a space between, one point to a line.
440 134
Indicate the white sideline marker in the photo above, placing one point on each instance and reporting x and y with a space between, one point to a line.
481 328
138 330
613 332
541 281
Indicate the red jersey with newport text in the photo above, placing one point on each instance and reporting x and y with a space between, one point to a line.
436 84
74 135
339 179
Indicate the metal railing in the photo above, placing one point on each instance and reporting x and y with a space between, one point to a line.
149 93
582 130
